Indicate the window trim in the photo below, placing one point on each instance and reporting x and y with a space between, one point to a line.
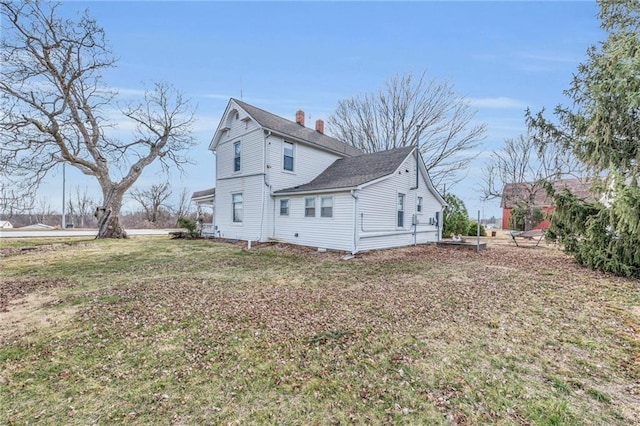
322 207
293 157
237 157
234 204
306 209
400 209
288 206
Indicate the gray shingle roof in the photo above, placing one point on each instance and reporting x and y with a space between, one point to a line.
516 193
204 193
291 128
353 171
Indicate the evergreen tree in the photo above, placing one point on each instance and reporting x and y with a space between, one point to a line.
602 128
455 218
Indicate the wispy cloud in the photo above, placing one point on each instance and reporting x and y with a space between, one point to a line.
544 62
501 102
558 57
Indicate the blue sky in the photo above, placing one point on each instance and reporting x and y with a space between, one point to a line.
282 56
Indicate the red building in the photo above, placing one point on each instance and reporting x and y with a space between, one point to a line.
516 195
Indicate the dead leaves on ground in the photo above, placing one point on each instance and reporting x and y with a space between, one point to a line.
11 290
379 326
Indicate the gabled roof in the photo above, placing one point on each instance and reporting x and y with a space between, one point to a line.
355 171
515 193
292 129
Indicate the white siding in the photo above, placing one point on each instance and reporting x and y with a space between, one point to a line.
234 124
251 155
252 194
332 233
308 163
377 211
249 180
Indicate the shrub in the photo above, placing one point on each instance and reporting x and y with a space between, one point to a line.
473 230
190 226
455 217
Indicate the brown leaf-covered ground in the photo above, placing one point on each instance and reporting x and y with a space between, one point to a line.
198 332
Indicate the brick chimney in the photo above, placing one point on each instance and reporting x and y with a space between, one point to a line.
300 117
320 126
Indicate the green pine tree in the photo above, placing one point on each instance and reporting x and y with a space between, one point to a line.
603 130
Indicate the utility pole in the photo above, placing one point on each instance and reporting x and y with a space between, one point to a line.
64 213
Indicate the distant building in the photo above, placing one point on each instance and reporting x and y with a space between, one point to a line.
38 226
5 224
515 195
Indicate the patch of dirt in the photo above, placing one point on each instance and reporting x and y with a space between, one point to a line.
26 306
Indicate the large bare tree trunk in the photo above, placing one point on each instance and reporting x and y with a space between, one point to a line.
108 216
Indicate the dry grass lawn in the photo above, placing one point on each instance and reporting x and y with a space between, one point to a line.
159 331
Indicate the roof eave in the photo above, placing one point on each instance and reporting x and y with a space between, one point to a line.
307 142
316 191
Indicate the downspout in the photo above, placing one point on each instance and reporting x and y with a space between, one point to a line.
417 167
355 222
273 213
265 180
415 208
417 156
271 196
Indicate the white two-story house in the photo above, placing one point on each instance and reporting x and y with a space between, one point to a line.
277 180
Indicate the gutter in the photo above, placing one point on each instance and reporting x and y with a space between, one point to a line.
241 176
355 222
265 181
317 191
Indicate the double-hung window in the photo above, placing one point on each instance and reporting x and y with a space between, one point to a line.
310 207
287 160
238 210
284 207
400 221
237 151
419 208
326 207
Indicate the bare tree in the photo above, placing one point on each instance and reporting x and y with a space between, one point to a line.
522 169
153 199
81 206
41 211
410 110
56 107
12 202
183 206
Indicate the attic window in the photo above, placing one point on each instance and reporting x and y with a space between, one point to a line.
237 152
232 115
